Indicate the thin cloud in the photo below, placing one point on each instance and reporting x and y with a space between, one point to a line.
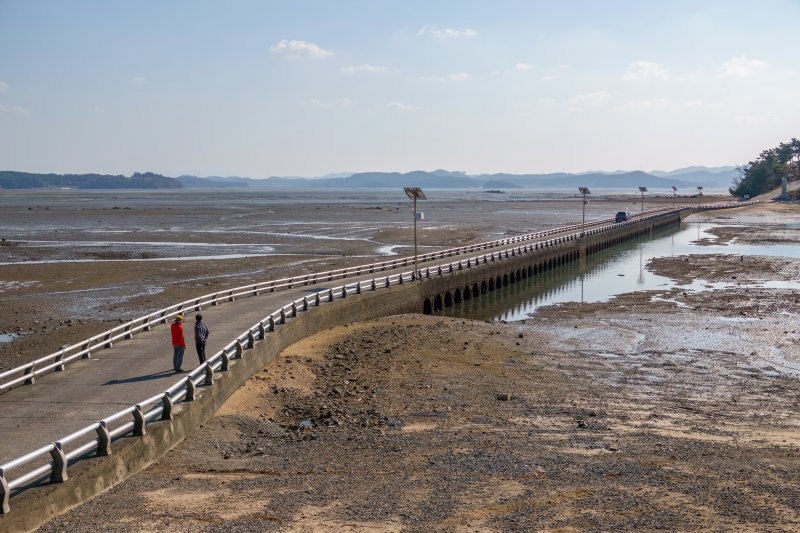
299 50
582 101
138 80
646 70
459 76
446 33
400 106
741 67
13 109
371 69
3 86
523 66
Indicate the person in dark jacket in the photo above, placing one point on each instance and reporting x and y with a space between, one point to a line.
178 344
200 337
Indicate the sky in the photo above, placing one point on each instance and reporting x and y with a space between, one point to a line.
307 88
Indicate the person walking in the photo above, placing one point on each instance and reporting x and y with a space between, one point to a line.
178 344
200 337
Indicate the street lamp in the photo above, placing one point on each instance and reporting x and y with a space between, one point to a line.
643 190
415 193
674 193
699 194
584 191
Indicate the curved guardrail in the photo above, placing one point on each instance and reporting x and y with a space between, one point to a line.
52 460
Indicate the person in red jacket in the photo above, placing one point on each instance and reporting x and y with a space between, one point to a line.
178 344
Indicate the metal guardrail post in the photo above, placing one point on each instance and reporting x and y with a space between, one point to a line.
189 389
5 493
108 343
251 339
197 305
317 300
163 317
59 358
209 375
146 324
87 355
262 331
128 334
255 290
214 301
230 296
330 295
400 279
225 362
294 310
373 286
59 473
103 440
358 288
387 282
138 421
239 350
166 407
305 303
282 318
271 322
29 372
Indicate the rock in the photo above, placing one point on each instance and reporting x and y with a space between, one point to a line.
503 396
521 336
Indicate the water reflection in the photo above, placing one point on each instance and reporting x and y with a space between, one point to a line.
616 270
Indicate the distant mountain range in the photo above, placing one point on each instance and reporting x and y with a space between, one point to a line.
685 178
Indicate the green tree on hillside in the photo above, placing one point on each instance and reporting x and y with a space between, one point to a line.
766 172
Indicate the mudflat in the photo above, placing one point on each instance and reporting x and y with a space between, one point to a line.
75 263
665 409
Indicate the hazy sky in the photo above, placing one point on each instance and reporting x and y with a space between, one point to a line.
303 88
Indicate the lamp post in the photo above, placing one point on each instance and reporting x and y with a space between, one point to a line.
584 191
699 194
674 193
643 190
415 193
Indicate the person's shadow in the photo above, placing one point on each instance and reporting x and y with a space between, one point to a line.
137 379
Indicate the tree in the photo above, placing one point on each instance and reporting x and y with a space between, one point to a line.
766 172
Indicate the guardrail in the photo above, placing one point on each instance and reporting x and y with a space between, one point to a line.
27 373
53 459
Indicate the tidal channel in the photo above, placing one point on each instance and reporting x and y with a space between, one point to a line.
617 270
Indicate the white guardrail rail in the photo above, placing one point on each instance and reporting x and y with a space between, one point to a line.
52 459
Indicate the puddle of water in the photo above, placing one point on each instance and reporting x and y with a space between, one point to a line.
617 270
8 337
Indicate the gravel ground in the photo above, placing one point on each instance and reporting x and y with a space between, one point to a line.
654 411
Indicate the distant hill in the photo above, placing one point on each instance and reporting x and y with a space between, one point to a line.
684 179
25 180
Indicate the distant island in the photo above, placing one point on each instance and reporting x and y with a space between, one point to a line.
686 179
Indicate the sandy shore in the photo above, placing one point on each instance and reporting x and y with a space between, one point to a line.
677 413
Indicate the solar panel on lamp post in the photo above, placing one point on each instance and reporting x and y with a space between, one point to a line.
584 191
674 194
415 193
643 190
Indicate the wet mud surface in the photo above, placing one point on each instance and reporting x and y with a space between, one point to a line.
658 410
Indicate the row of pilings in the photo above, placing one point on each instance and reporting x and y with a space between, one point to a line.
465 285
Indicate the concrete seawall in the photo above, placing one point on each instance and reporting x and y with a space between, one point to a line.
94 475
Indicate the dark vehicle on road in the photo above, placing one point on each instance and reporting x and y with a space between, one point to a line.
622 216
